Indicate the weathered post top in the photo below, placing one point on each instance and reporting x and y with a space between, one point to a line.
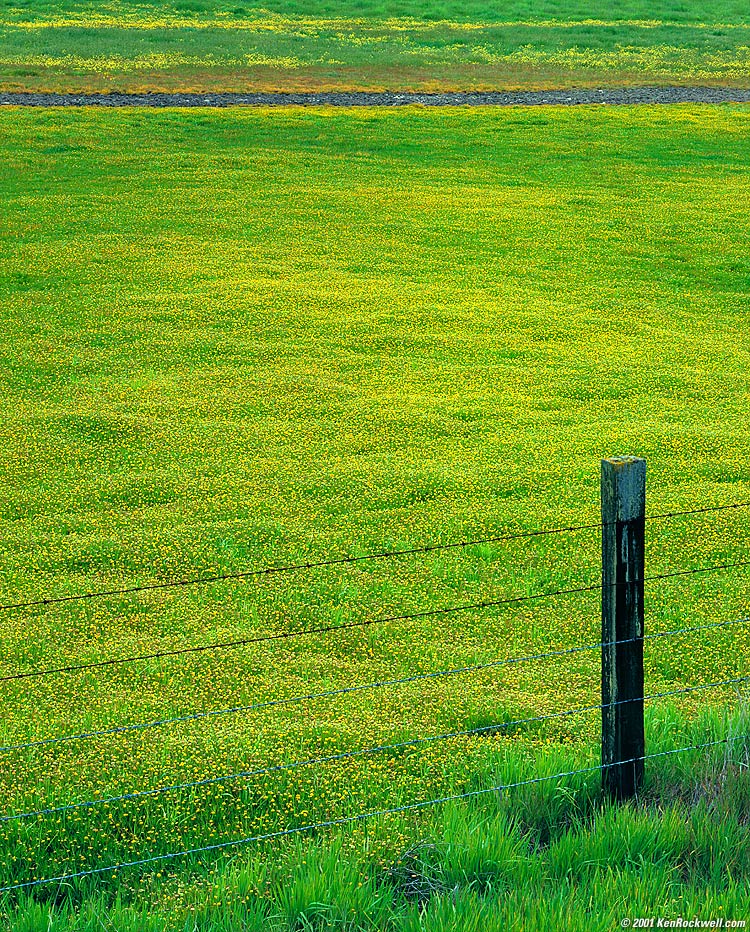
623 487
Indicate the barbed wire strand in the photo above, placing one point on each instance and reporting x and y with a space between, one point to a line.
361 752
285 635
360 817
345 690
293 567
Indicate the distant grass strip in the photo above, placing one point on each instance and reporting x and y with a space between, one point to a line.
346 46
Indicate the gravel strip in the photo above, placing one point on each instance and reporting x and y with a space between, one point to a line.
611 95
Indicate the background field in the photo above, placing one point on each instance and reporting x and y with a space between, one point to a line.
233 339
214 45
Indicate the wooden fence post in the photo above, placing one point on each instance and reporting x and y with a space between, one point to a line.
623 537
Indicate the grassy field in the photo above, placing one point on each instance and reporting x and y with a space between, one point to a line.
204 45
544 857
243 338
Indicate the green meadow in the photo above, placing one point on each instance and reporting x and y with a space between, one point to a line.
288 45
238 339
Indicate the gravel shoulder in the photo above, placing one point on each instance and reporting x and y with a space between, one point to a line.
572 97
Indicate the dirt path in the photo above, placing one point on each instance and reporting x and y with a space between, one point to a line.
613 95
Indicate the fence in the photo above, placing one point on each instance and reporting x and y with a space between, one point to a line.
623 754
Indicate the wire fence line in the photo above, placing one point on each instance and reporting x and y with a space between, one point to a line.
408 743
361 752
359 817
345 690
337 561
364 623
